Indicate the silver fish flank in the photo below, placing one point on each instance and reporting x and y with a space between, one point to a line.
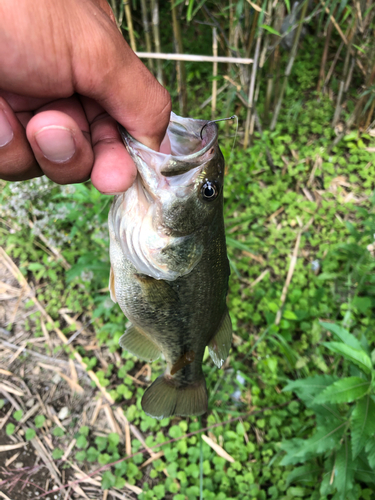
169 268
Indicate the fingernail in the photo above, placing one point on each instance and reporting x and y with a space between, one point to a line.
57 143
6 132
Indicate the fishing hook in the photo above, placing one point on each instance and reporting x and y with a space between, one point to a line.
214 121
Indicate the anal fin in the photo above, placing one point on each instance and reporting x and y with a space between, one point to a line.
164 398
137 343
219 345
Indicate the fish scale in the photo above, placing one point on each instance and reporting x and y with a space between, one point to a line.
169 270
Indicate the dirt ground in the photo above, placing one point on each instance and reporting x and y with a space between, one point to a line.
38 377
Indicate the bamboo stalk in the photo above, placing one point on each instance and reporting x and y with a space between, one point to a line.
247 19
348 124
344 77
289 67
181 73
129 22
336 116
324 58
229 66
146 28
155 29
251 92
334 22
343 37
253 28
231 22
193 57
274 59
350 75
370 77
333 65
214 74
369 116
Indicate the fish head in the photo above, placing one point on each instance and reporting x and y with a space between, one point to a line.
162 222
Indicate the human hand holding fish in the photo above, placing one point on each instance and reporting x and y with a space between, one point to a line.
67 76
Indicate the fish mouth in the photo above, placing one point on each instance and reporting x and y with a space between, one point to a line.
188 149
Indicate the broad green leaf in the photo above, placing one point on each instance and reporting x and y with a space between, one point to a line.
344 391
57 453
363 472
307 388
359 357
363 424
17 415
270 29
9 429
108 480
30 434
305 473
326 486
287 3
326 438
340 332
289 315
344 470
36 266
370 450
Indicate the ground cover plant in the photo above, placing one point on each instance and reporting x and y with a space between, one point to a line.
289 413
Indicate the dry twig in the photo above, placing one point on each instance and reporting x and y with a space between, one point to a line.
292 265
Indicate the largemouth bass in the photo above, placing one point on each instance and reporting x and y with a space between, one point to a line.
169 267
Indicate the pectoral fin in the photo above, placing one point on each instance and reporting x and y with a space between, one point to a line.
219 346
112 285
155 291
139 344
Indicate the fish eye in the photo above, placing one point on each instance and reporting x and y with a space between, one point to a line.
209 191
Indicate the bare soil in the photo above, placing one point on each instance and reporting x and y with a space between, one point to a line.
38 377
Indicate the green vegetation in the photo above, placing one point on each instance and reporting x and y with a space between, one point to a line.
294 405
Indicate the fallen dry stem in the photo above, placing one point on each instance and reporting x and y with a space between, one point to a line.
292 265
38 445
22 281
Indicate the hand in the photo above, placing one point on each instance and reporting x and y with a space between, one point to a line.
66 76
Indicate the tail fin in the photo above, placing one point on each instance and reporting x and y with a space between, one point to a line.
163 399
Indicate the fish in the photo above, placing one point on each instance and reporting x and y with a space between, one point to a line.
169 266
